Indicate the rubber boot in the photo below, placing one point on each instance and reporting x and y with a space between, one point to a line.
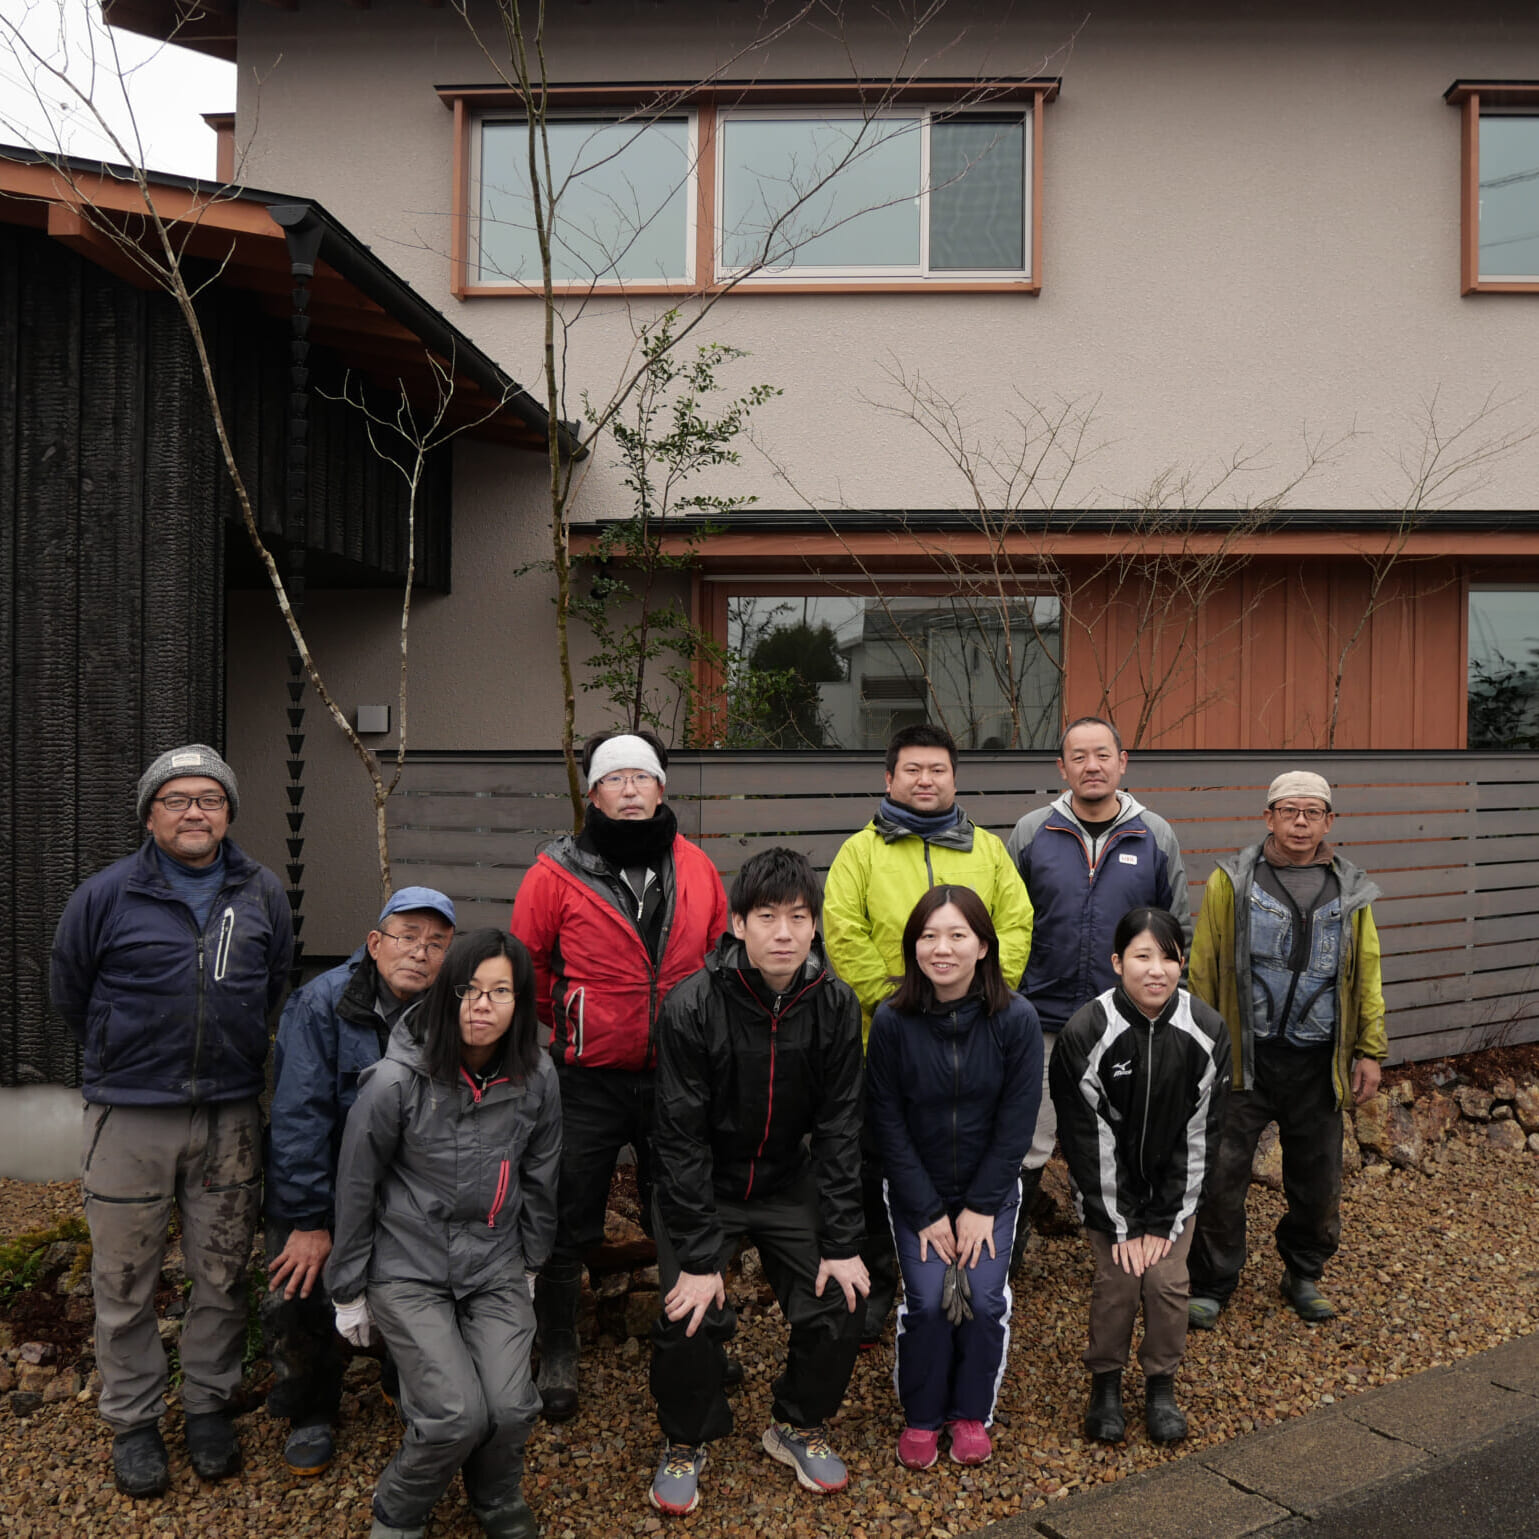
514 1521
1104 1420
556 1296
1163 1417
1031 1182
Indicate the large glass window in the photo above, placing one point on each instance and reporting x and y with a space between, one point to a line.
1504 668
625 191
1509 197
828 669
891 195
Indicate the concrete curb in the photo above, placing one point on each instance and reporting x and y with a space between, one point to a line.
1285 1478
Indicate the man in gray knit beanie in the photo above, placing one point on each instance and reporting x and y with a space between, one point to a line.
166 966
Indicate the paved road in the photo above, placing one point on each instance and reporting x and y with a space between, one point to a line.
1450 1454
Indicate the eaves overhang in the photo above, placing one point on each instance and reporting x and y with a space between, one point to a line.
358 307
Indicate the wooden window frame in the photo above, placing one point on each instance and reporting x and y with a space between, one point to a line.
1469 96
469 104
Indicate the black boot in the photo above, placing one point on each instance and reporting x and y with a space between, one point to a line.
555 1313
1163 1417
1104 1420
1031 1182
139 1461
212 1444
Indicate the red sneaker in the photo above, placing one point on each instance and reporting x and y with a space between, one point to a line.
918 1449
969 1442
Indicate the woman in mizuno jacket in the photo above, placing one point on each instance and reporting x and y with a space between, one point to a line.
1138 1079
445 1202
953 1080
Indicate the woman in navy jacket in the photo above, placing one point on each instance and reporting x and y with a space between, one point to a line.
953 1078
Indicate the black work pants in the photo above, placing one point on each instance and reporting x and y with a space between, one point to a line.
689 1372
602 1110
876 1248
1293 1088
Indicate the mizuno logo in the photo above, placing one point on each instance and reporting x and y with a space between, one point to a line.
1121 1071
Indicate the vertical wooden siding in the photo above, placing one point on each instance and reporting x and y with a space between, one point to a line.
1256 666
1451 839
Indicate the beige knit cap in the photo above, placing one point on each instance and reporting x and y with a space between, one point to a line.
1298 783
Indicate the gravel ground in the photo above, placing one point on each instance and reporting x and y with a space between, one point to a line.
1433 1267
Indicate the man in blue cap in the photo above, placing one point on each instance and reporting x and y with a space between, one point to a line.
332 1029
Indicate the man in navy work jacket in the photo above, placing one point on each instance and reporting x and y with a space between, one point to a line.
166 966
1086 859
332 1030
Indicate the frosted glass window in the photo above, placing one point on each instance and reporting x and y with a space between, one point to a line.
1509 197
978 194
622 211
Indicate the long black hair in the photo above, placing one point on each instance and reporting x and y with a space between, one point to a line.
916 994
437 1023
1159 922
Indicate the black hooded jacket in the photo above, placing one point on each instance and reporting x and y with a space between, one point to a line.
744 1077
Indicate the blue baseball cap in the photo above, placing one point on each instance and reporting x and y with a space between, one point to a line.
411 899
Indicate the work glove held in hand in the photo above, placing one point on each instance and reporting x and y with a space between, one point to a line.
354 1321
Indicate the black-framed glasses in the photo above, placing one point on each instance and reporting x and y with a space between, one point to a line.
501 994
209 801
434 948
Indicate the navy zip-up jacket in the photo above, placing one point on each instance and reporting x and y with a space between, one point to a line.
168 1014
952 1099
330 1033
1080 892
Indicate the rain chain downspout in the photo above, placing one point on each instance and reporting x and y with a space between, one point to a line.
302 232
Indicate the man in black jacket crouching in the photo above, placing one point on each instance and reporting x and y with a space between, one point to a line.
757 1137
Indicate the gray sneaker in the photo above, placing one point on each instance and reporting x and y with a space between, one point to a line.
676 1485
807 1451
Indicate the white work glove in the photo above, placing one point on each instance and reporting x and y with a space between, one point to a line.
531 1278
354 1321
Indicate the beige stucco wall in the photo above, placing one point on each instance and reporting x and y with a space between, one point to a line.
1251 230
1250 236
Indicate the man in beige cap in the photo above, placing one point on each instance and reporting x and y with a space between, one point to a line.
1286 950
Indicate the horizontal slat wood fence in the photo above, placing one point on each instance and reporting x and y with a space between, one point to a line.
1451 838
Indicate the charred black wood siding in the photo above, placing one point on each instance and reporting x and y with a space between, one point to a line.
119 532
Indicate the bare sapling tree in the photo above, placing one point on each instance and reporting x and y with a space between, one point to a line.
1138 576
118 202
570 270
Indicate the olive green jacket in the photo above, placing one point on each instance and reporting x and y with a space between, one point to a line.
1221 954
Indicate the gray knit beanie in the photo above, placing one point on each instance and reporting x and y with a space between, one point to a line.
193 759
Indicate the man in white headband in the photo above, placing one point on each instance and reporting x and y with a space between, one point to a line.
613 918
1286 950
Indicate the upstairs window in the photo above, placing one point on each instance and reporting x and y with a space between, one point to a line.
908 195
767 185
623 205
1500 185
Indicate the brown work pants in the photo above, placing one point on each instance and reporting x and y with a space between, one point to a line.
1114 1299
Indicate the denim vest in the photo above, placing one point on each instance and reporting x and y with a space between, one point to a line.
1298 1006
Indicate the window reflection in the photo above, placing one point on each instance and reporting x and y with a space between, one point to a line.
831 670
1504 668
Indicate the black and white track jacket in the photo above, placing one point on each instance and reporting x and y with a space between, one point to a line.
1140 1104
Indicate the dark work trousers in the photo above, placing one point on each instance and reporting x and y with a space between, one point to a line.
139 1163
302 1341
689 1372
1114 1299
952 1372
876 1249
466 1395
602 1110
1292 1088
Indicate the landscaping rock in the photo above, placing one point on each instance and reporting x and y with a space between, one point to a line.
1351 1154
1474 1102
65 1386
24 1404
1506 1135
1266 1163
1533 1143
33 1378
1504 1090
7 1378
1525 1107
1502 1112
35 1352
1053 1211
641 1313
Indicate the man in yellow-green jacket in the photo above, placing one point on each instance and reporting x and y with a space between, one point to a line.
918 839
1287 952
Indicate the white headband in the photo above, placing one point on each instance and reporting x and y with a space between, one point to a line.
622 753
